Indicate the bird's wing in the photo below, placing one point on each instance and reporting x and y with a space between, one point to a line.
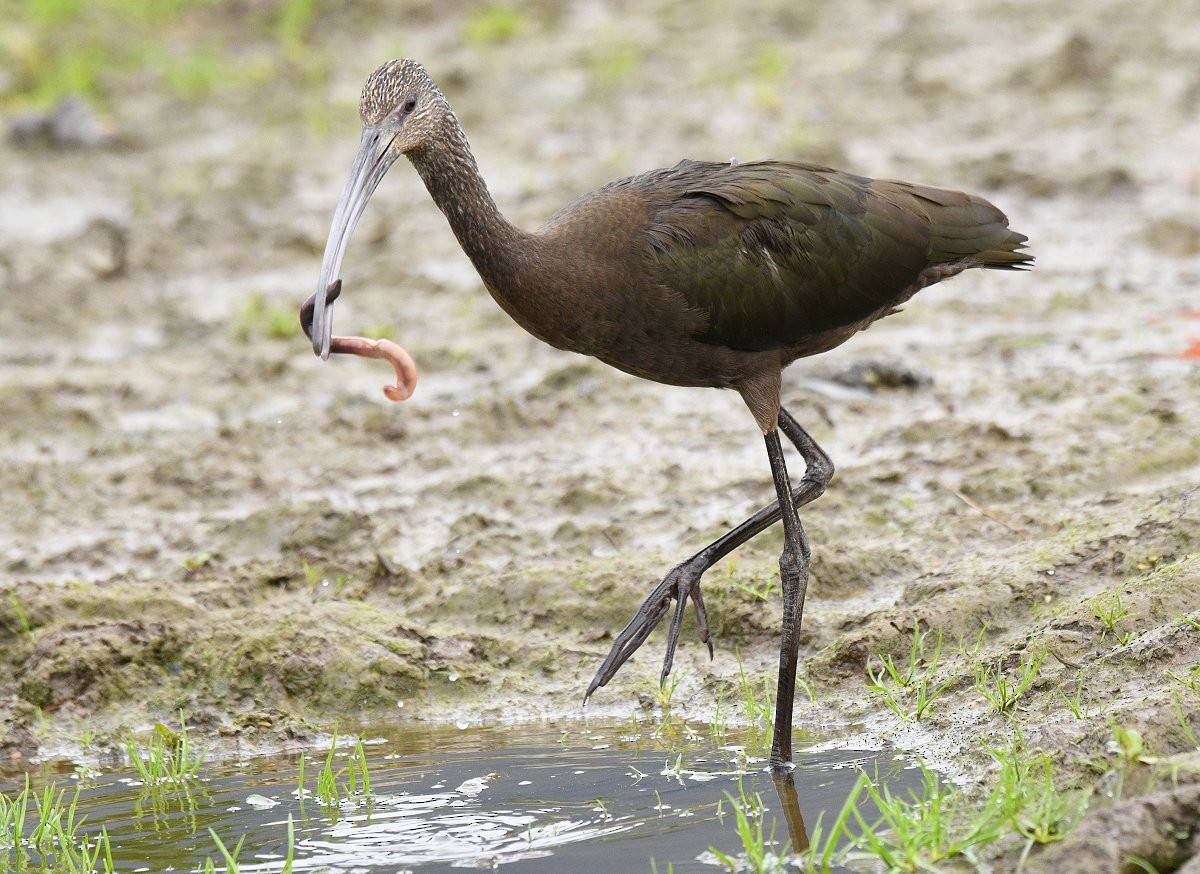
773 253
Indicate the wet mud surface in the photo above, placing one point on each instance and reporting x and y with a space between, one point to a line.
200 515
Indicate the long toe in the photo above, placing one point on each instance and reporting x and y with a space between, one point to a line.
680 585
627 643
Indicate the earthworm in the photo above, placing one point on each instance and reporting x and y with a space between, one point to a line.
393 353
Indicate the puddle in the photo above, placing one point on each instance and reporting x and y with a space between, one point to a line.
577 797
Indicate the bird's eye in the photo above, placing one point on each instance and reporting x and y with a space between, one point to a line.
409 105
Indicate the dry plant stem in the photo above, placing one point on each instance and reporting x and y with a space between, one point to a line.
975 506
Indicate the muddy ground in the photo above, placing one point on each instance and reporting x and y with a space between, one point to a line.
199 514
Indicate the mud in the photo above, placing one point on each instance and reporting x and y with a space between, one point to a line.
1158 828
200 515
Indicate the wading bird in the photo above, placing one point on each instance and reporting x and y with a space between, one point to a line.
702 274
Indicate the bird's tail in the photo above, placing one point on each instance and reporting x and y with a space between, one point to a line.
965 229
1006 253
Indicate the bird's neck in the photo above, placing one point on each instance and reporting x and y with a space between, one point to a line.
496 247
518 267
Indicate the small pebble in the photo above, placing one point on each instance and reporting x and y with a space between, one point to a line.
71 124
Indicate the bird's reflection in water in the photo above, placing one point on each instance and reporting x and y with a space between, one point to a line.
789 803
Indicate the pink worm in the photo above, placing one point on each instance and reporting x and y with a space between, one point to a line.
393 353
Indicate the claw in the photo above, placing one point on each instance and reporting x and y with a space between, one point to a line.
702 620
673 638
630 639
680 585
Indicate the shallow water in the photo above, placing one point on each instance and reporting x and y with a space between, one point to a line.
570 797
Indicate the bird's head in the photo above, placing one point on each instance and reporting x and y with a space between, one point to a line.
403 105
402 112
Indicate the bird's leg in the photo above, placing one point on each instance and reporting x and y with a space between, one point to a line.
793 573
683 581
818 468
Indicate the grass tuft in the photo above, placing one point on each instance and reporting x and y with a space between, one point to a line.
22 619
53 831
908 689
1109 610
999 690
758 853
1036 809
168 758
919 832
1079 708
939 825
758 704
344 786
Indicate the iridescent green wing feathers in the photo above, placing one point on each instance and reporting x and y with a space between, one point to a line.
775 252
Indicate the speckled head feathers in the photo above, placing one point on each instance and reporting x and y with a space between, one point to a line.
391 83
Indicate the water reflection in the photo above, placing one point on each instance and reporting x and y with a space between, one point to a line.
533 799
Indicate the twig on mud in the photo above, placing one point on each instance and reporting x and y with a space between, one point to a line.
975 506
1064 662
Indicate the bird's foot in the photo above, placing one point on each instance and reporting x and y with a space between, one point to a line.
680 585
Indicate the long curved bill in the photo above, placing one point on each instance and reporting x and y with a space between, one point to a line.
370 164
